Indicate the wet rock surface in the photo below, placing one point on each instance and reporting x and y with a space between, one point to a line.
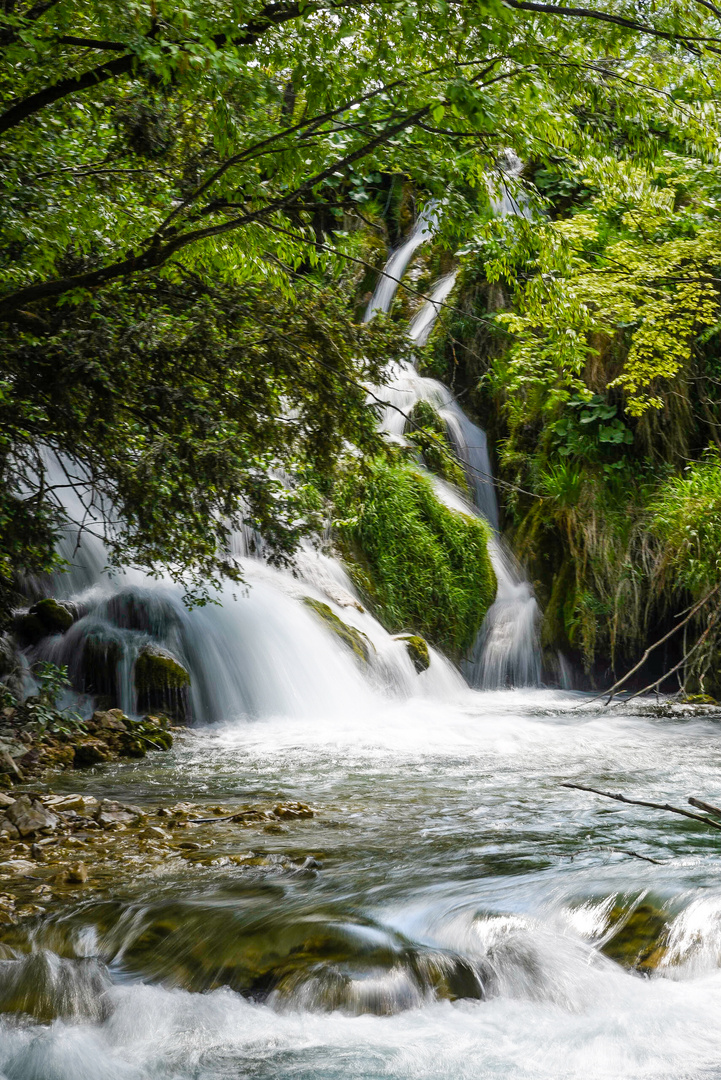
32 752
56 849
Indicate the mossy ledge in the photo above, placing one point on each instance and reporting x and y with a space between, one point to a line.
420 566
417 649
353 639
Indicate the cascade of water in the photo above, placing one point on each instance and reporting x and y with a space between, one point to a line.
261 650
507 651
397 264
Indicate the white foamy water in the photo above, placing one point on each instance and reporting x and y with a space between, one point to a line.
455 855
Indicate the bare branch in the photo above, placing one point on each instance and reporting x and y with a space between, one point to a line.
643 802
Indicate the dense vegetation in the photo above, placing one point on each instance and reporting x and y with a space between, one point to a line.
194 202
602 374
422 566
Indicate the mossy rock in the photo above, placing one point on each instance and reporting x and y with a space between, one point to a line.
429 435
698 699
638 943
417 648
162 683
43 619
353 639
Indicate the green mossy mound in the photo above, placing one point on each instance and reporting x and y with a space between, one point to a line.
428 433
353 639
417 650
43 619
161 683
418 564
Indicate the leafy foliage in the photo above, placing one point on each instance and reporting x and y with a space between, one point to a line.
686 516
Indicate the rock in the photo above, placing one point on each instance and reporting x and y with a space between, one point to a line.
80 803
417 650
162 683
91 752
287 811
100 659
8 831
110 720
21 867
43 619
353 639
637 940
154 832
77 874
189 845
30 816
110 814
6 800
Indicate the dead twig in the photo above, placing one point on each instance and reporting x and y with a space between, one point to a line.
617 685
643 802
706 807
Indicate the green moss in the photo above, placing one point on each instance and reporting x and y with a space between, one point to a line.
354 639
428 433
417 650
639 940
421 566
161 683
44 618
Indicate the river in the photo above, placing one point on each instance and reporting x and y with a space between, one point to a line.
441 915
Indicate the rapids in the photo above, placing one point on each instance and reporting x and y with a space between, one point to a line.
441 916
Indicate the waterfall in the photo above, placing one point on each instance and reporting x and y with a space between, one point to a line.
397 264
507 650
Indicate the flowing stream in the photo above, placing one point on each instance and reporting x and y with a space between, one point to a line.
441 916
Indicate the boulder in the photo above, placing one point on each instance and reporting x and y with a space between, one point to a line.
111 813
8 831
417 648
162 684
100 660
29 816
77 874
91 752
110 720
43 619
353 639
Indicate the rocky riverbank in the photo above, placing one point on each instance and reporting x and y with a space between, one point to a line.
29 749
57 847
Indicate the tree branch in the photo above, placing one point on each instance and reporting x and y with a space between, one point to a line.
274 14
614 20
642 802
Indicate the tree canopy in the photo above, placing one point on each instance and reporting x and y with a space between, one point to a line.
189 197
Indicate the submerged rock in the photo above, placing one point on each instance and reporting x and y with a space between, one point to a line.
162 683
353 639
417 648
637 938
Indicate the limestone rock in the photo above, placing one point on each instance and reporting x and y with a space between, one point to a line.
8 831
77 874
30 816
43 619
6 800
353 639
110 720
111 813
162 683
